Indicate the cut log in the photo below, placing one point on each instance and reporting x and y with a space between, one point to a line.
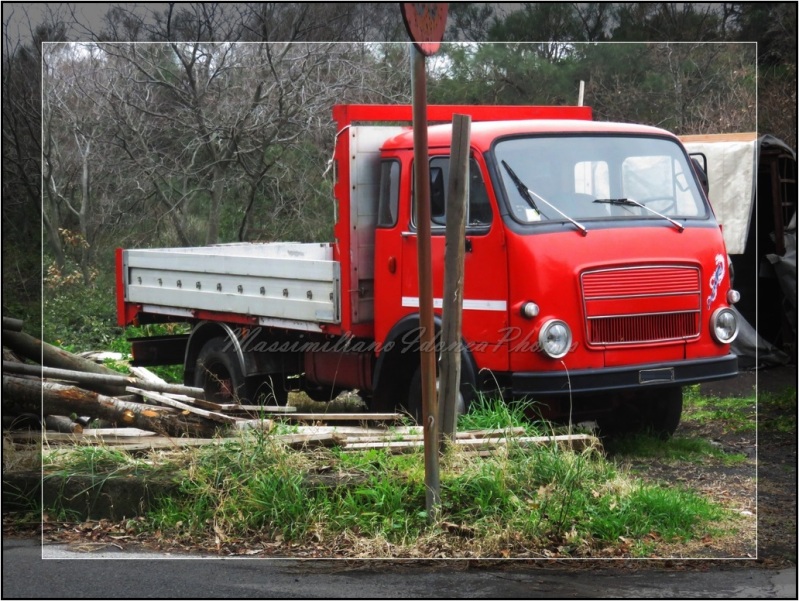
61 423
59 399
51 356
165 400
93 381
11 324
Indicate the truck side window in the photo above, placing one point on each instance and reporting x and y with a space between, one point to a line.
389 194
478 211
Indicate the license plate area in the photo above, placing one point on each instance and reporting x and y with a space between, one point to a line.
656 376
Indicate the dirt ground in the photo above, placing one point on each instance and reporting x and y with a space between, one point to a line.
771 467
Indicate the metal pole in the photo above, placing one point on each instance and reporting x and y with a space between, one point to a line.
427 331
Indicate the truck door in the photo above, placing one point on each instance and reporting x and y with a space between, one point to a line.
485 292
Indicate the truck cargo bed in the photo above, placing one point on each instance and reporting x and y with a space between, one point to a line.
289 282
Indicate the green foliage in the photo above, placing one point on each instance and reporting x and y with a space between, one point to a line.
80 318
695 450
488 413
530 497
735 413
777 411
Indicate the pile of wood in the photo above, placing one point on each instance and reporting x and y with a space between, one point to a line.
62 393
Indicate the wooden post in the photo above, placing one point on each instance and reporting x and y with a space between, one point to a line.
425 23
427 349
457 195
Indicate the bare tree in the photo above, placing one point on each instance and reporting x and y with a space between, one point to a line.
21 126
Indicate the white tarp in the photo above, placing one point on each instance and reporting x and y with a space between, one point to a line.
732 175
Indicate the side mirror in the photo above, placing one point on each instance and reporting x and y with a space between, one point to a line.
701 171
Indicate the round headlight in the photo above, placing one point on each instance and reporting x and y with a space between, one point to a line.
724 325
555 338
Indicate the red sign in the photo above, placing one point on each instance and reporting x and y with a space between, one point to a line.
425 22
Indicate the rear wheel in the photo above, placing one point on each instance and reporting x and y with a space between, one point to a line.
656 411
219 373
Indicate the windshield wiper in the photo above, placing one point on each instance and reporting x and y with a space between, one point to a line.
523 190
629 202
528 194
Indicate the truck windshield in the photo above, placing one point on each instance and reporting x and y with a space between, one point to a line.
573 172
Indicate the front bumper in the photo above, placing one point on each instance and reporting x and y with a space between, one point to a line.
674 373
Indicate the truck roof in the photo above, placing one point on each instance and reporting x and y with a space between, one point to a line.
483 133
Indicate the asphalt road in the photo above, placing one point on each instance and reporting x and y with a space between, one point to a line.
55 571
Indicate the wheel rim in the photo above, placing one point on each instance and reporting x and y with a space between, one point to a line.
218 384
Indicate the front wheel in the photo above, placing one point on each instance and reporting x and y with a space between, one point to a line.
414 403
656 411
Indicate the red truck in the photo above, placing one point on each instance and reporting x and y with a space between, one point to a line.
596 276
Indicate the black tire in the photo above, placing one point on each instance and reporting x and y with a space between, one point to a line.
219 373
414 401
269 389
656 412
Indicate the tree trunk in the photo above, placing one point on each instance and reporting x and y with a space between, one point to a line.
51 356
57 399
93 381
61 423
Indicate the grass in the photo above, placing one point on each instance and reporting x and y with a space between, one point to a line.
489 414
522 502
736 414
694 450
777 411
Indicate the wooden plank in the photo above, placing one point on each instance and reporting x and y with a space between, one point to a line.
145 374
159 398
267 408
254 424
356 432
118 432
363 417
88 436
574 441
296 441
162 442
210 405
464 438
229 407
734 137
